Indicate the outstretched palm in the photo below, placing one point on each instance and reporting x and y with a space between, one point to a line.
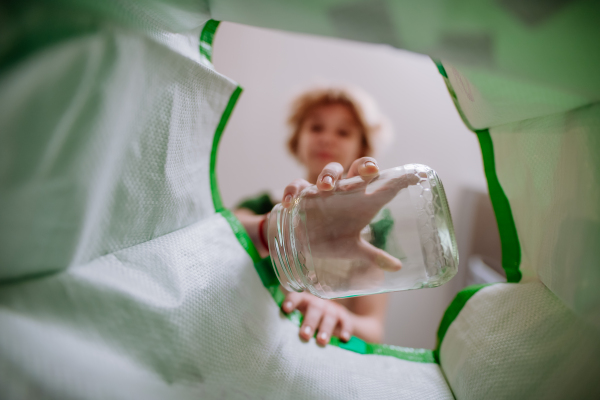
335 218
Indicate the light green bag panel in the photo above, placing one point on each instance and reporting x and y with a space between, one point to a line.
518 341
487 99
549 168
106 143
183 315
32 25
553 45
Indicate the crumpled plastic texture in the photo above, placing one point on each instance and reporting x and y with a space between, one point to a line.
549 168
530 347
118 277
95 130
118 280
185 316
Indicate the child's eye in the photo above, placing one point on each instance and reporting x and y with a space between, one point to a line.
317 128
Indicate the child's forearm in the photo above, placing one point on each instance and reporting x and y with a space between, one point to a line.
368 328
251 223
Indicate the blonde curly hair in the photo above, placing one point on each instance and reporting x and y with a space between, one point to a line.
375 126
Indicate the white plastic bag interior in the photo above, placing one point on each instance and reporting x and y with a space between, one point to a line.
119 280
544 178
185 316
106 141
95 156
533 346
549 168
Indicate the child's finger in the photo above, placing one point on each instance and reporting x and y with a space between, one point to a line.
312 318
365 166
378 257
291 302
345 328
326 328
292 190
386 192
330 174
386 261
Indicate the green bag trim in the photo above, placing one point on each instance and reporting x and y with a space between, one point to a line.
268 278
404 353
509 238
452 312
441 68
206 38
242 237
452 93
264 268
214 185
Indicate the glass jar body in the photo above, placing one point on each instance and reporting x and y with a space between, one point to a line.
386 233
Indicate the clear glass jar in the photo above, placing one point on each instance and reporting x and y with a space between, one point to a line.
387 233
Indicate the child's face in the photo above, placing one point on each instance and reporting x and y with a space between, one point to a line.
329 133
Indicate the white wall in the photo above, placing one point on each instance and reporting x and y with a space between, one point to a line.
271 66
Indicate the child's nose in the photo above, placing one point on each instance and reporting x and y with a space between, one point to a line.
329 136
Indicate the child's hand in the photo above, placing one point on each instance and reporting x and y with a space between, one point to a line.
325 316
364 167
330 215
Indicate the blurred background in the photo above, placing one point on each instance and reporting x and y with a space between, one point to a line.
272 66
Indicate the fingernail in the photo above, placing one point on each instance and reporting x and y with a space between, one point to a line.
328 180
345 336
388 264
307 330
370 163
323 336
287 306
288 198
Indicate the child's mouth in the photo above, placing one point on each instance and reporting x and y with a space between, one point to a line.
324 155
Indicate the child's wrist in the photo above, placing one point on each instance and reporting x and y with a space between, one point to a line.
262 234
